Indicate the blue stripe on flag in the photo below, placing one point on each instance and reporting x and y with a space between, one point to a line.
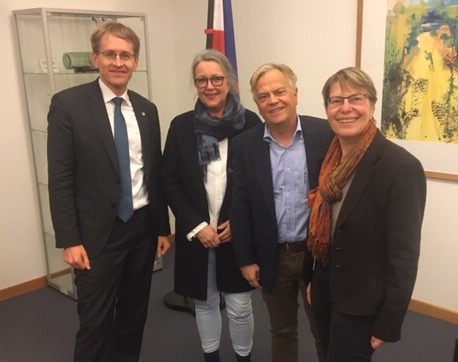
229 34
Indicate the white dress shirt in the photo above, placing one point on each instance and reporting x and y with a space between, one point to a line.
139 190
215 186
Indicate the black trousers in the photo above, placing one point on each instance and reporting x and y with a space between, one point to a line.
346 338
113 295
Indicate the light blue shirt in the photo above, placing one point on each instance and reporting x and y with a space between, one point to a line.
291 186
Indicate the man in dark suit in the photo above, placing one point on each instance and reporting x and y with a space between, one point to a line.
112 248
275 166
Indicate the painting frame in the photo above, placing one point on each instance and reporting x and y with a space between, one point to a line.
439 174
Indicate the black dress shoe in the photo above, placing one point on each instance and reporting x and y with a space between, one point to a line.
240 358
212 356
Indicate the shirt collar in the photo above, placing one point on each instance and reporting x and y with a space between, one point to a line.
268 136
108 94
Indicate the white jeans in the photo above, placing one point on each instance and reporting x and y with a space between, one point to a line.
239 312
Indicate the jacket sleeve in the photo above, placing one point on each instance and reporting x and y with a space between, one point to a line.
405 208
61 158
180 179
163 213
240 212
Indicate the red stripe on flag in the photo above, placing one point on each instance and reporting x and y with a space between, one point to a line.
219 42
220 32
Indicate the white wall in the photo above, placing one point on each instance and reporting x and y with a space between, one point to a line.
314 38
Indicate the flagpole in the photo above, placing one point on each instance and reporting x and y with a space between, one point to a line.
210 15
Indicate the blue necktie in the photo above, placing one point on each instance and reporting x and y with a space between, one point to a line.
125 208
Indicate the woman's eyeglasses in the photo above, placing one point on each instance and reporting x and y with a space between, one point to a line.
353 100
202 82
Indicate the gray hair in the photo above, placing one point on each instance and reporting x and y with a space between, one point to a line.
211 55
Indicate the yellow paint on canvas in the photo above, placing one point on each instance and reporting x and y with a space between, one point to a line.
421 72
424 65
427 64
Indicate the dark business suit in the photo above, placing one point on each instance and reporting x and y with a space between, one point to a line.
187 197
84 190
376 243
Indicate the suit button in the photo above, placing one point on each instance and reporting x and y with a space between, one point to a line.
337 268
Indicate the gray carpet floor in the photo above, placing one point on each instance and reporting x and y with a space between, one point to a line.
40 326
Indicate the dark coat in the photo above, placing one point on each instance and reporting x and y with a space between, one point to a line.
376 241
253 220
84 180
184 187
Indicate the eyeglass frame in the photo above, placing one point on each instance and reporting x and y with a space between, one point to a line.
112 55
212 79
341 100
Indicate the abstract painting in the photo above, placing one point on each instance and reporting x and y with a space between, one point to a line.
420 80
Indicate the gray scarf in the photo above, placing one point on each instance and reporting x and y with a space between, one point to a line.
210 130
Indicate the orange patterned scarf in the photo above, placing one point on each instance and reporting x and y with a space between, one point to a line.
334 174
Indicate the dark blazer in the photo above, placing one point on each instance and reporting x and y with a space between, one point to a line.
376 240
84 180
186 196
253 220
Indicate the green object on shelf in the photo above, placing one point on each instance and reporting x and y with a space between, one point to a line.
75 60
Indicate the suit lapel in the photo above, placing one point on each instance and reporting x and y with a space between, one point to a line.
363 175
263 170
143 124
98 111
313 152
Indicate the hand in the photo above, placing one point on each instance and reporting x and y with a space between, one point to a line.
76 257
251 274
163 245
376 343
208 237
309 293
224 232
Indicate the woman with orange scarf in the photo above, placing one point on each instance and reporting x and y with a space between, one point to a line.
365 226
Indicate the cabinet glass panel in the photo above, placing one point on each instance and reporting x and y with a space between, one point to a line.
39 143
45 211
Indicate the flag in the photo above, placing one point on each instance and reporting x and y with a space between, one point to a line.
220 29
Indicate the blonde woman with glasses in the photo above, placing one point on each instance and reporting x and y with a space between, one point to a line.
197 179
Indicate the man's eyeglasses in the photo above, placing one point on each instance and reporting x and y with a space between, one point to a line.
354 100
216 80
111 55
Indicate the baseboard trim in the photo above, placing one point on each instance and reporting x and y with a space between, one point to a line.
418 306
435 311
22 288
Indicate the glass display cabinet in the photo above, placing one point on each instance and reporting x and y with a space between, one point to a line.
55 53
